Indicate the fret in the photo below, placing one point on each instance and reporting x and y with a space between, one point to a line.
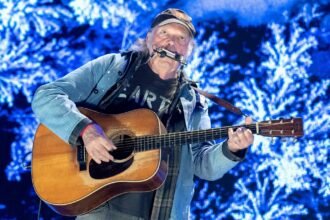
162 140
179 141
160 143
166 140
171 140
143 143
153 144
198 137
149 143
185 136
156 143
212 135
189 138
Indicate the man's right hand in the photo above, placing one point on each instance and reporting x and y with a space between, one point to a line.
97 143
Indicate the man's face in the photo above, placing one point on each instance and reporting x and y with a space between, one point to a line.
173 37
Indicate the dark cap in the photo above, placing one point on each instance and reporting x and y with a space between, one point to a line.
173 15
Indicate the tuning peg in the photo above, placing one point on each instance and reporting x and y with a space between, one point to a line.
292 119
281 119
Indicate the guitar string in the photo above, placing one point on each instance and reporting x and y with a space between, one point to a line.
172 138
166 138
203 132
152 145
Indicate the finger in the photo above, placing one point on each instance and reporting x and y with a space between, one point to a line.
241 135
230 133
104 154
113 147
233 140
98 152
94 152
95 158
104 142
245 138
108 144
248 120
249 136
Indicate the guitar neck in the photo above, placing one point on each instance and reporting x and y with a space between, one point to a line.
272 128
188 137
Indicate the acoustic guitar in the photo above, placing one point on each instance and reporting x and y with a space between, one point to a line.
71 183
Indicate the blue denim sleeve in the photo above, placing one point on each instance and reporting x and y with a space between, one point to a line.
209 160
54 104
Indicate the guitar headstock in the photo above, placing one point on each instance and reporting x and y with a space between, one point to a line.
281 128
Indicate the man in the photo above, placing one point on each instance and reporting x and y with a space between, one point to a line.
143 78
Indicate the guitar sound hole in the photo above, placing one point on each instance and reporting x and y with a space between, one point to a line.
125 147
123 159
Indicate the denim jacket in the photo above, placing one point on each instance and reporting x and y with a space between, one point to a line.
55 105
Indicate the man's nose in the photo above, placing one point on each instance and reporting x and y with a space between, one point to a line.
170 40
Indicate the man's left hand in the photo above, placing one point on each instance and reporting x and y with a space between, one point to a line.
240 139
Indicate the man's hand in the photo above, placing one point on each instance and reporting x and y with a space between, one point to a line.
97 143
241 138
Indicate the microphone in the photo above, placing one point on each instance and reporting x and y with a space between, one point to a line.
174 56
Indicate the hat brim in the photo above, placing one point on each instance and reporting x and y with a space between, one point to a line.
174 20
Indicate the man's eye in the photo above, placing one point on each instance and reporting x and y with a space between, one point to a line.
183 40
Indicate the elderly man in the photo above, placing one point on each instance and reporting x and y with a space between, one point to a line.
151 76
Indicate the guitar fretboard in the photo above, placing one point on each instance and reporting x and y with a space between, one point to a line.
145 143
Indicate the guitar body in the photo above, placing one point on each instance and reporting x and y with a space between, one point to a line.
58 181
69 188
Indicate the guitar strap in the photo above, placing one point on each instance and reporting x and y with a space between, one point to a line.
220 102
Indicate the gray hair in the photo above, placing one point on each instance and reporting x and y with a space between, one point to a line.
140 45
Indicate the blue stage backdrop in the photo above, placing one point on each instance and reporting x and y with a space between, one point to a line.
270 58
